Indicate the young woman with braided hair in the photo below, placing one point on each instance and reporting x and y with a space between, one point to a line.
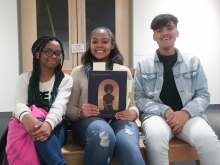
37 131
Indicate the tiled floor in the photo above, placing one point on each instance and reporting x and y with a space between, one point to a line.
212 112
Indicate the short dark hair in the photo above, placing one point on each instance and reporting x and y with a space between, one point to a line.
87 56
162 20
107 87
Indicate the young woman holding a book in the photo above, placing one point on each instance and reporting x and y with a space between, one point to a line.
102 137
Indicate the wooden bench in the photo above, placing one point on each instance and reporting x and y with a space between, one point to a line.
181 151
178 149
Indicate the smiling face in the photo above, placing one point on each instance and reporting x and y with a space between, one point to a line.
165 38
101 45
50 62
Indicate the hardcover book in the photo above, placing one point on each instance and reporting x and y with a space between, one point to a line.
107 90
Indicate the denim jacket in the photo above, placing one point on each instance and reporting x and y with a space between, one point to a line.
190 80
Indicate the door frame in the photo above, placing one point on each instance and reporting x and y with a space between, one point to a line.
77 32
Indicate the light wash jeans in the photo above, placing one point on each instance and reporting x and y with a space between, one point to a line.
49 151
196 132
103 139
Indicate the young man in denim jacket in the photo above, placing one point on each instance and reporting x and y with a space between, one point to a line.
171 92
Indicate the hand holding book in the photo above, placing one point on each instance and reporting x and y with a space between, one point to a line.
126 115
88 110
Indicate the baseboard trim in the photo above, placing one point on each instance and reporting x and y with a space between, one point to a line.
214 105
3 114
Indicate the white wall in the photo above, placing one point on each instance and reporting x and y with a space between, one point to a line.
9 67
199 28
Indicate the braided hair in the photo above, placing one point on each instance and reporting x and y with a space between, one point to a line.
34 96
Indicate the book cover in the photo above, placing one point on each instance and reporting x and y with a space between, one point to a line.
107 90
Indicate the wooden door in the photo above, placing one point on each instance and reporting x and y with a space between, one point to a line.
41 17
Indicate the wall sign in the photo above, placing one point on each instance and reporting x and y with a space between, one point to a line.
77 48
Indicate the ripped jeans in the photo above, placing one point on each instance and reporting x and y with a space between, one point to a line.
102 140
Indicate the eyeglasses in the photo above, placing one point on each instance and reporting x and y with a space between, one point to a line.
49 53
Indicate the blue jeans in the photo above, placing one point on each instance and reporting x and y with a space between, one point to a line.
49 151
102 139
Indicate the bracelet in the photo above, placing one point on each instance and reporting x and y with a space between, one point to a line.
78 113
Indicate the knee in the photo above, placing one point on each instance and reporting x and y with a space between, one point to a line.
205 140
156 142
102 138
106 138
101 134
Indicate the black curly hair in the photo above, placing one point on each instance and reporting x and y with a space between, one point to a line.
108 86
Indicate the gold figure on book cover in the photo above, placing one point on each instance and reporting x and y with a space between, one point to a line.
108 95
